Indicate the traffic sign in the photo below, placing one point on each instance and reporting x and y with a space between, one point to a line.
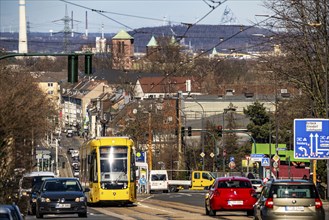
311 138
231 164
231 159
265 162
275 164
202 154
276 158
256 157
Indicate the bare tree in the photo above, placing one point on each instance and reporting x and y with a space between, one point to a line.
25 116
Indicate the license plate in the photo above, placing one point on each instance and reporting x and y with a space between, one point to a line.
63 206
294 208
238 202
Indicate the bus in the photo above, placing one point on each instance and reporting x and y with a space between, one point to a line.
107 168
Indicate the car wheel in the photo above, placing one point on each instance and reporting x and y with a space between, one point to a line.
209 211
82 215
206 208
250 212
38 215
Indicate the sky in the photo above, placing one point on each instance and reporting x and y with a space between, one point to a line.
116 15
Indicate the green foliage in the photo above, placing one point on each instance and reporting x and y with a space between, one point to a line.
260 126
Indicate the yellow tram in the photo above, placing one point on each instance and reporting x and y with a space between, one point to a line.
107 168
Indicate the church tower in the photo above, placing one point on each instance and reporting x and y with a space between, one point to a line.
122 51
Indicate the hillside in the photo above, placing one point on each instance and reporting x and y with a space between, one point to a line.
199 37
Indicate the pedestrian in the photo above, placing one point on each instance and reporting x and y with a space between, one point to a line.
142 184
318 181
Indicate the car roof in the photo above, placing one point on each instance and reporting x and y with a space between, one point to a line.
41 173
291 181
230 178
61 178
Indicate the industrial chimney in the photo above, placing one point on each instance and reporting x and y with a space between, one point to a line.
22 44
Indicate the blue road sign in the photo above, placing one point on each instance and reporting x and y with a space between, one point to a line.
256 157
265 162
231 159
311 138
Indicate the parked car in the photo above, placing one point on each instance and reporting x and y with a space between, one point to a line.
230 194
10 212
28 186
257 184
289 199
69 133
61 196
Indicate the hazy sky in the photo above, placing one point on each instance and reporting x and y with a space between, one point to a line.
42 14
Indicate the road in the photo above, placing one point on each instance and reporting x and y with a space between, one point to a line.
185 204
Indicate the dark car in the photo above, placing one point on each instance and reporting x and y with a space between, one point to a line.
61 196
230 194
10 212
28 186
289 199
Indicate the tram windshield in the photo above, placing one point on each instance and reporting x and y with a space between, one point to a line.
113 162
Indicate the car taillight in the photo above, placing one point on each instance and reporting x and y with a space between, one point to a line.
252 192
318 203
269 203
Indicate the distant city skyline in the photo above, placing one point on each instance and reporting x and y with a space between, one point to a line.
116 15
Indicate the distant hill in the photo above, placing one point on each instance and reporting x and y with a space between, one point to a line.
205 37
199 37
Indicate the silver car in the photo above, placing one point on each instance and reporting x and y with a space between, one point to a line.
289 199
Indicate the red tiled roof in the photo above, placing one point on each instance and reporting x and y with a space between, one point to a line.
167 84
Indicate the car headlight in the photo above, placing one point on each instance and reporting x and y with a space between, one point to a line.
80 199
45 199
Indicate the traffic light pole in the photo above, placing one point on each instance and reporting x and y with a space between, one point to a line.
72 62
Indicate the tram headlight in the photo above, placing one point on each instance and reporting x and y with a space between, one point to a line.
80 199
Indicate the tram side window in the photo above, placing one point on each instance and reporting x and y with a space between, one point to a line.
93 167
132 167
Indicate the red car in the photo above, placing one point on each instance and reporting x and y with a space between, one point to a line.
231 194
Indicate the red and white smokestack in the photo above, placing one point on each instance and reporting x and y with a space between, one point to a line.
22 44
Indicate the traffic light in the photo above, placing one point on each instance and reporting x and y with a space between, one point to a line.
88 64
189 131
183 131
72 70
219 131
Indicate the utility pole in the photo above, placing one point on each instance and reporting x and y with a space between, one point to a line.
179 130
149 142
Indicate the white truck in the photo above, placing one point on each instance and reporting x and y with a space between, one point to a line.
159 181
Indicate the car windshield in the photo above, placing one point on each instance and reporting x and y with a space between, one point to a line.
234 184
158 177
62 185
293 191
256 182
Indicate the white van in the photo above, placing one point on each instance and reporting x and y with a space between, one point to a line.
158 181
